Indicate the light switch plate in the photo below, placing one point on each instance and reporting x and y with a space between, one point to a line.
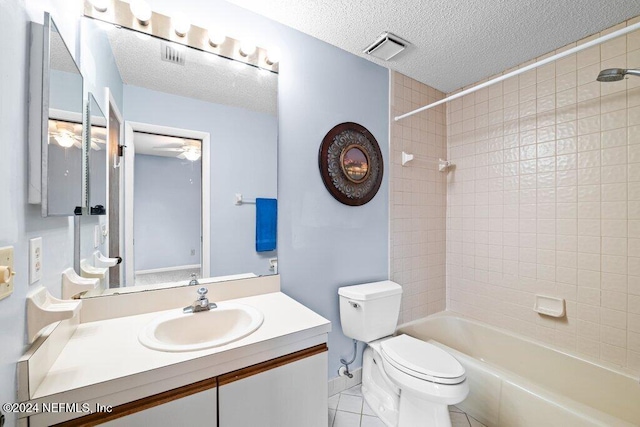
35 260
6 260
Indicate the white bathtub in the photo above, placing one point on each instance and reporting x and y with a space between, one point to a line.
516 381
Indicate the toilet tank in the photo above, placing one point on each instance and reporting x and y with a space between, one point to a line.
370 311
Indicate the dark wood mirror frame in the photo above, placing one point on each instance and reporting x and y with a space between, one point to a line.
342 186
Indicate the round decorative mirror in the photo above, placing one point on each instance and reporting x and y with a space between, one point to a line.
351 164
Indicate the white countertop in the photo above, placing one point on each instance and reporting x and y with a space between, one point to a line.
101 352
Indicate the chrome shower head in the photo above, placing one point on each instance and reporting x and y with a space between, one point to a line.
615 74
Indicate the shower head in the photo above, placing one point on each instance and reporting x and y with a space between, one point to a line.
615 74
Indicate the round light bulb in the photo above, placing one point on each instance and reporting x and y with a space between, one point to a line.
192 154
273 56
216 37
181 24
141 10
64 140
247 48
100 5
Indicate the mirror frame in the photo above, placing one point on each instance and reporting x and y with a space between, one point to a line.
39 101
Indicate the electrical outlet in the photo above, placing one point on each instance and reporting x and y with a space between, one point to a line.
35 260
6 271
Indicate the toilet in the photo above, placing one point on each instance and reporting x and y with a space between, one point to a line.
406 382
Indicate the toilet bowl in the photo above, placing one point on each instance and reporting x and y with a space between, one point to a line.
406 382
403 393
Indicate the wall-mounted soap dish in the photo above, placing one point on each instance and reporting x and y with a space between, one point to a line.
43 310
73 285
88 270
102 261
549 306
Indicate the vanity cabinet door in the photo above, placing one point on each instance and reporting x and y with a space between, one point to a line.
293 394
196 410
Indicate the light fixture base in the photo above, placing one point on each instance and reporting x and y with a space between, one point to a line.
164 27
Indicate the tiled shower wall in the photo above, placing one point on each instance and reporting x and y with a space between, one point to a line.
418 200
545 199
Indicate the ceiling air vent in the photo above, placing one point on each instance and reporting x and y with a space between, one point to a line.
386 46
170 53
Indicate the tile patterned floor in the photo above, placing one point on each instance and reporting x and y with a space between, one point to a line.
348 409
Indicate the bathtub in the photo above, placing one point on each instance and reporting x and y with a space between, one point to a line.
515 381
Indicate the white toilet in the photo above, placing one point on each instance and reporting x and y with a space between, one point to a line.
407 382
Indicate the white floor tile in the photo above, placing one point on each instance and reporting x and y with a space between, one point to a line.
350 403
332 416
474 422
366 409
368 421
346 419
349 409
333 401
459 420
355 391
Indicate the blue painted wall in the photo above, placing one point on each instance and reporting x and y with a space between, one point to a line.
321 86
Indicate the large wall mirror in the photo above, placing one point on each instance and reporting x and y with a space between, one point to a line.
198 129
55 124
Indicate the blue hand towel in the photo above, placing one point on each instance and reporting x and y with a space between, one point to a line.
266 224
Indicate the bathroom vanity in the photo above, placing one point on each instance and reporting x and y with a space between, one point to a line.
275 376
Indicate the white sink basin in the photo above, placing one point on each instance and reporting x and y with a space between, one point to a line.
177 331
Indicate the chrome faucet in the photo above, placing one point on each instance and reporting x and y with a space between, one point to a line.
201 304
194 280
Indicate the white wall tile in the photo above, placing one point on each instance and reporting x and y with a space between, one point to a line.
418 191
559 194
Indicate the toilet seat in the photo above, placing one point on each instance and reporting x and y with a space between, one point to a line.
422 360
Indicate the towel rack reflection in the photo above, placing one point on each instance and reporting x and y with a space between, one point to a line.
239 200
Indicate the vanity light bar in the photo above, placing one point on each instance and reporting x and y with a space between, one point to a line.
119 13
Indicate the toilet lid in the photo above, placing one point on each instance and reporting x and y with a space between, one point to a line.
422 360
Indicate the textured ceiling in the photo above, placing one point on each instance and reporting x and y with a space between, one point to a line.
453 43
61 59
204 76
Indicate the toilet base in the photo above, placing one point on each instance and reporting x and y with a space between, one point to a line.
378 391
416 412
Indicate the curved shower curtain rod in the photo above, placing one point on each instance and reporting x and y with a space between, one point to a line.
540 63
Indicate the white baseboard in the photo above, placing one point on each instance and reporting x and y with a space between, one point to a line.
166 269
339 384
